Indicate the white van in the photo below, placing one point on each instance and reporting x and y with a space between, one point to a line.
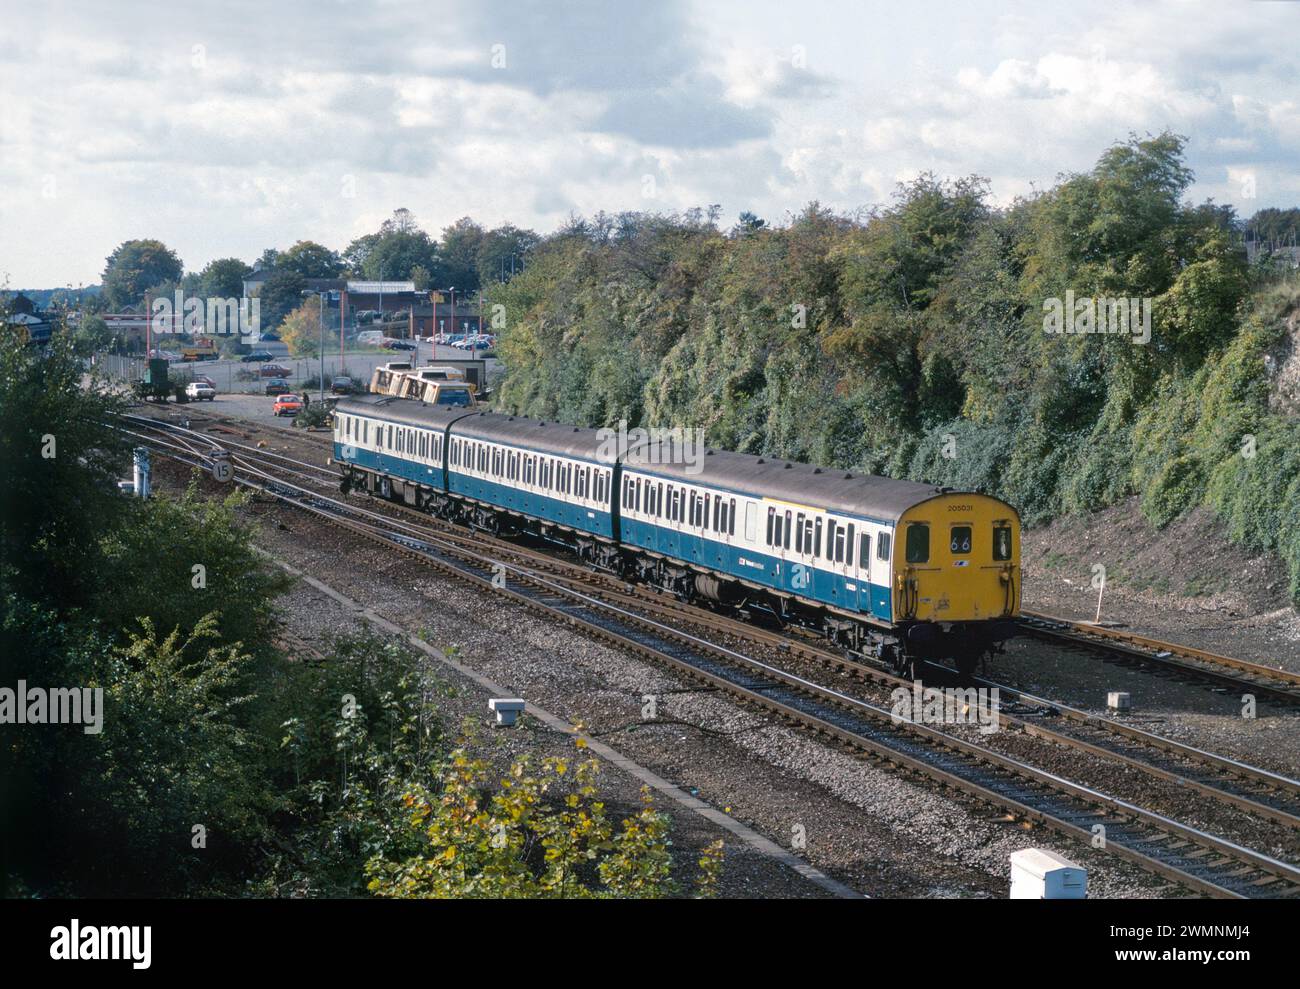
371 337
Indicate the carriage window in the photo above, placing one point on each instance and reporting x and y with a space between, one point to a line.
1001 542
731 518
839 545
918 543
830 539
717 514
798 534
771 521
959 540
638 494
864 552
777 531
882 546
787 530
848 546
817 538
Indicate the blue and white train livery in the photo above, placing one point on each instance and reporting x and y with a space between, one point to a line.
898 569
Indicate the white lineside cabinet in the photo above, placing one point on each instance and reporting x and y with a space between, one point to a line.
1037 874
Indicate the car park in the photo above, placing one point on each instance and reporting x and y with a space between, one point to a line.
277 386
199 390
287 405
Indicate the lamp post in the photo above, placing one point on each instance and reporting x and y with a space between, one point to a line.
320 320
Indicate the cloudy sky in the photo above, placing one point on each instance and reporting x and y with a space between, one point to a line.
229 127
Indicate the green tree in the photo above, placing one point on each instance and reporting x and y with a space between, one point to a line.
309 259
60 462
224 279
137 265
459 252
92 334
281 294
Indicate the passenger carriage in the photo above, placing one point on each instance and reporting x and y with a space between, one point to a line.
901 570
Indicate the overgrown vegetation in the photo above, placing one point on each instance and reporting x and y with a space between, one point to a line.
910 341
224 764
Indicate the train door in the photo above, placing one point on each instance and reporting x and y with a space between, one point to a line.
862 566
840 560
921 594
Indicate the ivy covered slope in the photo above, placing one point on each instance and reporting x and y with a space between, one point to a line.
911 342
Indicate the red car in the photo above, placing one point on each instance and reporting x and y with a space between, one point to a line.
287 405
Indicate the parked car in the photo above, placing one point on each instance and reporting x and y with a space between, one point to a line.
342 385
256 357
197 390
274 371
287 405
400 345
269 338
277 386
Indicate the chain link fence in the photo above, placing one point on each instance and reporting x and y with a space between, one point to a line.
235 377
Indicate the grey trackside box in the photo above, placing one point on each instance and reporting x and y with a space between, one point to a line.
507 709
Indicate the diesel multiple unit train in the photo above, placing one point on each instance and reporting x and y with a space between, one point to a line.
892 569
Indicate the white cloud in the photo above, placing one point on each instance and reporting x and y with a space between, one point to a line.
245 141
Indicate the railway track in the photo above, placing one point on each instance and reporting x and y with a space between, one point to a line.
1174 659
1170 658
1201 861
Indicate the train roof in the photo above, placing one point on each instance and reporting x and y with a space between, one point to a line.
406 411
554 438
824 488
